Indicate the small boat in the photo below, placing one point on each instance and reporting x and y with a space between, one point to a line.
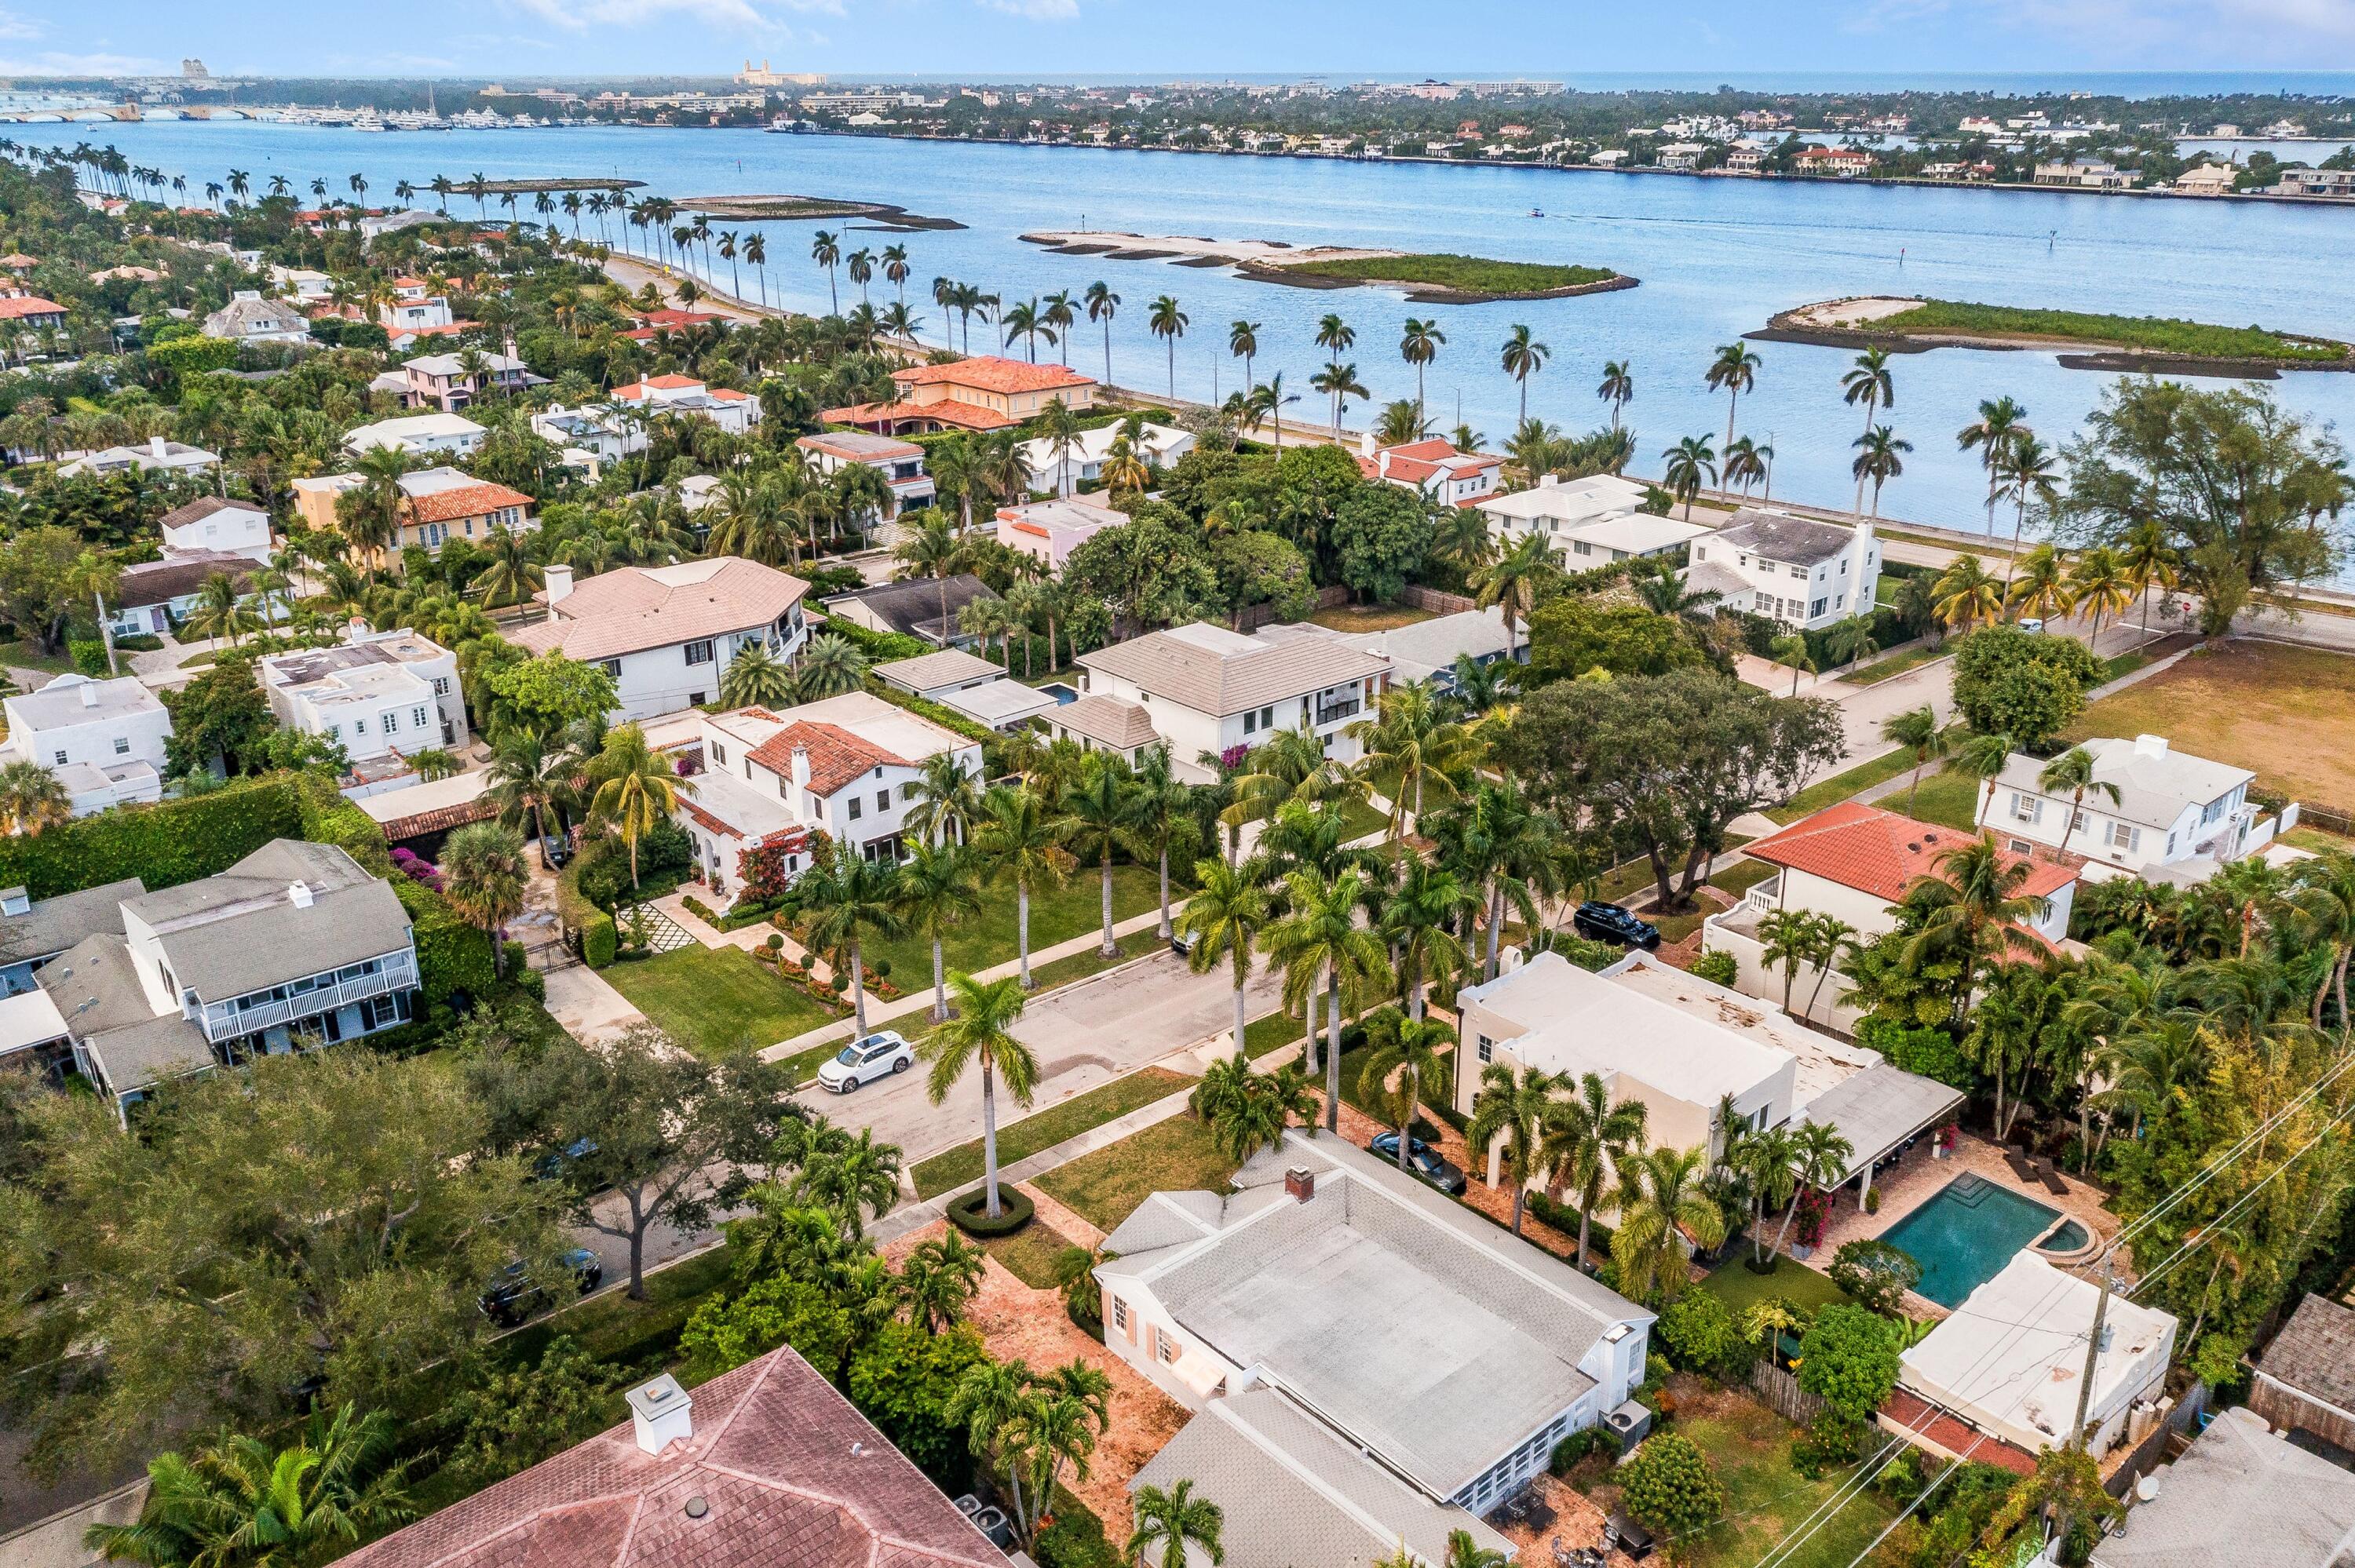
1536 212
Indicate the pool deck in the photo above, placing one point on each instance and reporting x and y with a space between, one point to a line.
1917 1179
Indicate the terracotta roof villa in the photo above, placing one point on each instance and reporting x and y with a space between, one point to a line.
764 1465
982 393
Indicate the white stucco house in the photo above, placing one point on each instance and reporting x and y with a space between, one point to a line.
1370 1363
419 433
250 318
1210 689
847 767
1049 531
1082 462
1434 468
1590 521
668 634
213 524
902 463
2176 818
732 410
103 739
155 455
384 695
1806 574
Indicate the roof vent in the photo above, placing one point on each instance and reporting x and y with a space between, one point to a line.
14 901
661 1414
2150 745
88 694
299 894
1301 1183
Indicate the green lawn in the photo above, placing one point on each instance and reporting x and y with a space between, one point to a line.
1018 1140
1748 1446
1840 786
1740 878
1103 1188
1913 658
1275 1031
1791 1281
1358 819
1948 798
25 655
1030 1254
1471 274
712 999
1056 915
2161 334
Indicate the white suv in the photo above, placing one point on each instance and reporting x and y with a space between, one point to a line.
868 1056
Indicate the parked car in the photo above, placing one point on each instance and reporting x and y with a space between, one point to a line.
1609 923
865 1059
557 850
1183 943
553 1165
1423 1160
514 1296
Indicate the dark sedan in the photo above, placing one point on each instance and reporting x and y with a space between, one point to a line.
1423 1160
1609 923
514 1296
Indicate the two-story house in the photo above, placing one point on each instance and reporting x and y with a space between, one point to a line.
250 318
985 392
1210 689
103 739
600 432
437 505
154 597
1806 574
417 434
1365 1357
902 464
1049 530
155 455
1853 863
733 412
668 634
847 767
1066 470
1589 522
383 696
1433 467
414 308
294 947
2175 818
213 524
443 381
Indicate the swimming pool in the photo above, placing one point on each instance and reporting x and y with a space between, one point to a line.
1064 695
1966 1233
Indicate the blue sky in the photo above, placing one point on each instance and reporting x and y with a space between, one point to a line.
1160 38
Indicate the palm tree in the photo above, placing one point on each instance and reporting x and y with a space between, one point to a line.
2042 588
1791 651
1983 758
632 788
530 779
1869 382
1172 1523
2003 422
1523 356
1224 919
1970 904
1733 372
1419 918
1619 388
2072 772
1023 321
939 889
1821 1157
1412 750
828 665
1585 1135
1785 939
1020 843
2150 563
1662 1199
2102 583
1340 383
825 249
1513 1107
511 574
484 873
1967 594
1919 731
2027 472
930 550
1419 345
1162 820
31 798
1319 943
845 898
981 1030
946 801
236 1503
220 610
756 678
1168 323
1880 457
2323 899
1768 1162
1510 583
939 1279
1690 465
1851 639
1098 819
1242 342
1102 305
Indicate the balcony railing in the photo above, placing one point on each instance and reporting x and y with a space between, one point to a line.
228 1020
1765 896
1335 712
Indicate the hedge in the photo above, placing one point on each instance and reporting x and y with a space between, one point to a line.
881 647
599 939
1014 1209
453 956
947 718
164 844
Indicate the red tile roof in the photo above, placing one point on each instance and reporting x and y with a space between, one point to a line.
1951 1434
22 305
837 756
992 374
467 501
947 411
1881 854
787 1473
670 318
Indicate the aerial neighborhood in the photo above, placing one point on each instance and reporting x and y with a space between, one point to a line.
639 926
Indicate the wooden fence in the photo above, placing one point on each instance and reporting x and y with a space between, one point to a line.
1418 596
1251 617
1782 1394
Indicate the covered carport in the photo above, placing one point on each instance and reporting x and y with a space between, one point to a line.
1882 1110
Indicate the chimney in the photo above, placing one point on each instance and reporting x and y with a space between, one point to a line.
1300 1183
661 1414
800 768
88 694
1369 444
2150 745
560 585
1548 481
155 448
14 901
298 894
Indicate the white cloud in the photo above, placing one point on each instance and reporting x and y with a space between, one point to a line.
741 16
57 63
12 26
1037 10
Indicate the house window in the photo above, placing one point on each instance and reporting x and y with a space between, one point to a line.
718 755
417 717
1165 1348
2021 846
359 726
2129 837
612 667
1581 547
391 717
1488 1049
121 746
908 791
1800 573
1267 717
700 653
2170 843
441 685
857 808
2025 808
1120 1314
1816 610
1251 723
882 802
61 758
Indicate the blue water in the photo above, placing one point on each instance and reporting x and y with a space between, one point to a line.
1716 256
1965 1235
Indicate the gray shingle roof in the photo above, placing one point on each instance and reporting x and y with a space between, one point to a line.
1214 671
97 989
1296 1495
2239 1495
53 925
240 931
2315 1352
913 607
1800 541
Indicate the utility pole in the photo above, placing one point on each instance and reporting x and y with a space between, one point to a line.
2092 1351
105 633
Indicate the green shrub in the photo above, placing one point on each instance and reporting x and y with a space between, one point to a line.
881 647
164 844
599 940
947 718
1572 1448
1926 1051
454 959
139 642
1014 1209
2030 685
523 977
1671 1488
1697 1328
1717 967
1075 1539
89 657
1847 1358
1833 1438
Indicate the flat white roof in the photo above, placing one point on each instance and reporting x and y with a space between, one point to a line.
59 705
414 427
28 1019
1636 533
1570 500
996 703
457 789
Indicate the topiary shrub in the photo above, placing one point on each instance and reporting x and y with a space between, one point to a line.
1671 1488
969 1213
599 942
1718 968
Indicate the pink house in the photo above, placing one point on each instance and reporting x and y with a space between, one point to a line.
1051 530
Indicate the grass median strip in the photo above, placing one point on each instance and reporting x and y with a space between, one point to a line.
1103 1188
1841 786
952 1168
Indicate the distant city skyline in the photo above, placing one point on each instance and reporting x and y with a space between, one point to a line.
1031 39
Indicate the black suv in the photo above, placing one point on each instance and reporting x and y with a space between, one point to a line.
514 1296
1609 923
1423 1160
